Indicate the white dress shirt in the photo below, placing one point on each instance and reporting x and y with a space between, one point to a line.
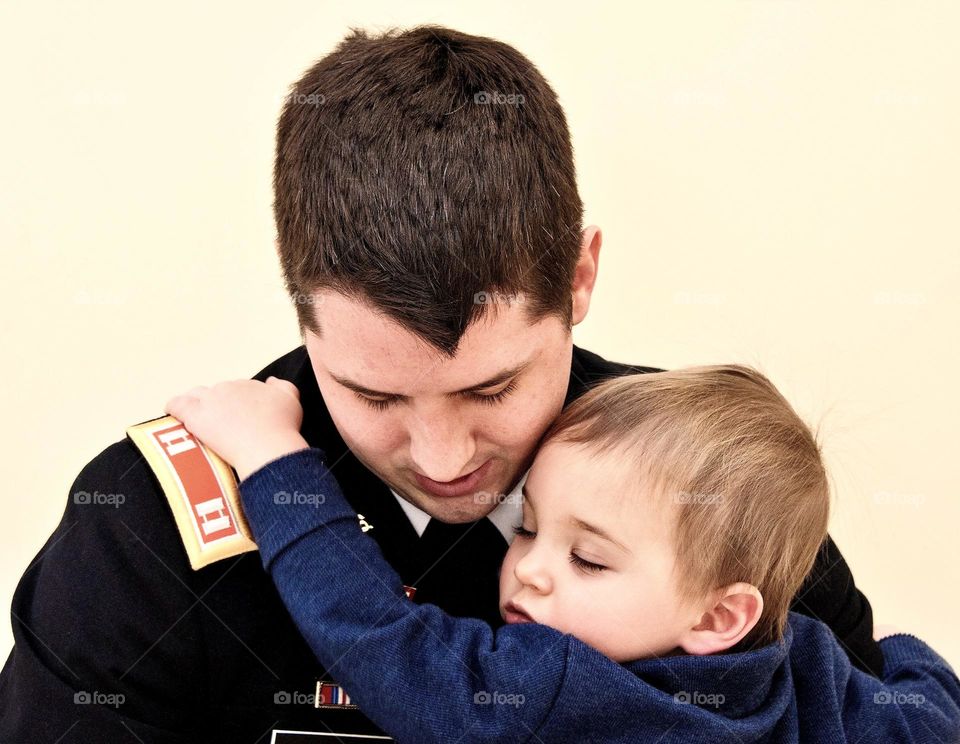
505 516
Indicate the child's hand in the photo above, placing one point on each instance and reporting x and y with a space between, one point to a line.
246 422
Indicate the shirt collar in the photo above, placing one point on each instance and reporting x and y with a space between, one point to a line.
505 516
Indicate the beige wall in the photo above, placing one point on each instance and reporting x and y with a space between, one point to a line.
775 181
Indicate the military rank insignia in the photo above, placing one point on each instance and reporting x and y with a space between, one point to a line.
331 695
201 488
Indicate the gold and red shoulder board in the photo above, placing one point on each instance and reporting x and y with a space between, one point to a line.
201 488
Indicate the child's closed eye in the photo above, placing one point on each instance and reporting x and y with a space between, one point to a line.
586 565
581 563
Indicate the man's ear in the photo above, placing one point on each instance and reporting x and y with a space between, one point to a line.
732 612
585 274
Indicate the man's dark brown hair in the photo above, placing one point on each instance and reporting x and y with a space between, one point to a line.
429 173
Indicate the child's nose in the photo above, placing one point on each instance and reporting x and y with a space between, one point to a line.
531 570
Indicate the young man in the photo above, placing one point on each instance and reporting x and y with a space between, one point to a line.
429 231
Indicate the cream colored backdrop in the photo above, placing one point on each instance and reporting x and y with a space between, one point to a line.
777 184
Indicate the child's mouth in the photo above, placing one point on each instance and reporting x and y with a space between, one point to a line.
514 614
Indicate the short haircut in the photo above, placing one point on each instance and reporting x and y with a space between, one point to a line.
742 470
429 173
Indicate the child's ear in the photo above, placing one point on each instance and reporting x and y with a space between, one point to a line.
731 613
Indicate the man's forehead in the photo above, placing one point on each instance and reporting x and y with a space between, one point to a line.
337 311
363 346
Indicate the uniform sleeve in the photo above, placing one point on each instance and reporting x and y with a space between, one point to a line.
418 673
829 595
105 646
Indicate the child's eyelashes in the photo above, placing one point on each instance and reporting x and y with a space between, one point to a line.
585 565
579 562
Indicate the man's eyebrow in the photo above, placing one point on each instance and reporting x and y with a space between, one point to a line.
585 526
497 379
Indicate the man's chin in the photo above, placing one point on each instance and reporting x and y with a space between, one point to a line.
453 509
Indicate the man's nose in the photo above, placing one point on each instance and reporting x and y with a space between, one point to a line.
441 447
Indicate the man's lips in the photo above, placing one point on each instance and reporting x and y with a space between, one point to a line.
513 613
457 487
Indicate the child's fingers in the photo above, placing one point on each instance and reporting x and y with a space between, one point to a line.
179 405
175 405
285 385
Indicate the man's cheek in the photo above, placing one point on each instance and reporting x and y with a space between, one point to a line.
362 429
373 441
517 425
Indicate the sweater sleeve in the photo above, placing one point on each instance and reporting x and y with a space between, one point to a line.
920 694
418 673
917 698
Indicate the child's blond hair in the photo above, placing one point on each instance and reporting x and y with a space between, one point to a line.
744 473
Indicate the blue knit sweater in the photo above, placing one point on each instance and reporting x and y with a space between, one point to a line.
424 676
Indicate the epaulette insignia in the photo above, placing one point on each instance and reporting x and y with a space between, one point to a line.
201 488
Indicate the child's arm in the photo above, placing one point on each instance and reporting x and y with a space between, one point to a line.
917 699
919 696
418 673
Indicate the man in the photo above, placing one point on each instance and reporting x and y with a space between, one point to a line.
430 236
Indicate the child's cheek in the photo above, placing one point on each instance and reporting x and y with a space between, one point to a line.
507 578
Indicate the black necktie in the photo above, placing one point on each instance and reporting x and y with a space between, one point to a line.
459 568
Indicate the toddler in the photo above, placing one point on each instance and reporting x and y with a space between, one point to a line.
668 521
